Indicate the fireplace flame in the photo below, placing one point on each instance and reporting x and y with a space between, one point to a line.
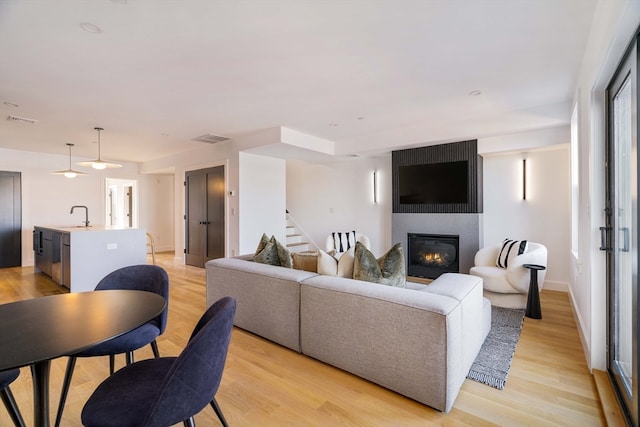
434 258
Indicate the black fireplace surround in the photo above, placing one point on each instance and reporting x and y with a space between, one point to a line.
431 255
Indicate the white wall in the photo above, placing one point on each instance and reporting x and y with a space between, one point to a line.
323 198
544 217
262 194
47 198
157 214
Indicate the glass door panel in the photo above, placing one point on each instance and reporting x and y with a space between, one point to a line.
622 265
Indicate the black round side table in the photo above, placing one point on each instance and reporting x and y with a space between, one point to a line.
533 298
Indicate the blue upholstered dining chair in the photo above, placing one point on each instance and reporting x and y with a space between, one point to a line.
165 391
6 378
149 278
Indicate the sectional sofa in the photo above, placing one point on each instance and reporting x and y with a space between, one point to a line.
418 341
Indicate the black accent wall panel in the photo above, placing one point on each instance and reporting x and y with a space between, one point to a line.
453 152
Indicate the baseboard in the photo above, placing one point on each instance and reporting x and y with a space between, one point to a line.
556 286
580 326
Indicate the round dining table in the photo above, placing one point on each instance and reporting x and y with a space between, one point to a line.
35 331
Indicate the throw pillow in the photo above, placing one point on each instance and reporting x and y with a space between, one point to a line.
263 242
284 255
272 252
509 250
268 254
343 241
330 266
388 270
306 262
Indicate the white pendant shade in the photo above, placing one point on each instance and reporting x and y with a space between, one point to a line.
99 163
69 173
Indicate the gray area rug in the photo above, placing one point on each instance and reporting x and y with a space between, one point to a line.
492 364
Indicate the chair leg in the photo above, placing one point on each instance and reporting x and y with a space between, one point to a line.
154 347
129 355
112 364
189 422
216 408
12 407
71 363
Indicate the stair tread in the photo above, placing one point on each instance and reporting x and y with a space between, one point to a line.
297 244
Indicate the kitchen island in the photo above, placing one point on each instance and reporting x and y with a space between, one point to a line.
79 257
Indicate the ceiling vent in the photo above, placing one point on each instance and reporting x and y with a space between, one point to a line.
211 139
22 120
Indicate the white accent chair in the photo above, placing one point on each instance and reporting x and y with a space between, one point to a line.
330 244
508 287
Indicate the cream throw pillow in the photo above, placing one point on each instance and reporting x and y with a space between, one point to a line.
330 266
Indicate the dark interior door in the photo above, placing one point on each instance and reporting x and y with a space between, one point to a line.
204 215
10 219
215 213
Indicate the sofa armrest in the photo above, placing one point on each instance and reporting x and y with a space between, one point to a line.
268 297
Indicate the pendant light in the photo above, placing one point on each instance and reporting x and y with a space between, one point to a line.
69 173
99 163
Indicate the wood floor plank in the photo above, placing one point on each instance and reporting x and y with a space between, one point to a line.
268 385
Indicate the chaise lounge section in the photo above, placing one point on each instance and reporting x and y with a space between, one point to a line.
419 341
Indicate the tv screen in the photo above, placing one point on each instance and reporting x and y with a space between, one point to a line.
434 183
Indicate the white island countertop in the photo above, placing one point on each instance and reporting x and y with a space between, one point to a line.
97 250
82 228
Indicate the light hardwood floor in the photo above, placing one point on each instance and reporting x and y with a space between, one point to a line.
267 385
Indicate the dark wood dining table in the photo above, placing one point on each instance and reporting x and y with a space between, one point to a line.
35 331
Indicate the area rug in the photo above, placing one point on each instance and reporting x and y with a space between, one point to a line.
492 364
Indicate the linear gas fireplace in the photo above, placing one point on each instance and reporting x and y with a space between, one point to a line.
431 255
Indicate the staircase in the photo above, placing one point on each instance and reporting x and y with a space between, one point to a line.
297 241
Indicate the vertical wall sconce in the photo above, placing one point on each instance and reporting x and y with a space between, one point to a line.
524 179
375 187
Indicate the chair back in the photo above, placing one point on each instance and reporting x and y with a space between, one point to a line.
150 278
7 377
194 377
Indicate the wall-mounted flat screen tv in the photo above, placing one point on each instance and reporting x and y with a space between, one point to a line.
434 183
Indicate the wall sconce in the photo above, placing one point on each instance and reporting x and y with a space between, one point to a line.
375 187
524 179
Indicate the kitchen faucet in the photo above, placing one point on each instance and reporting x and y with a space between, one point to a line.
86 213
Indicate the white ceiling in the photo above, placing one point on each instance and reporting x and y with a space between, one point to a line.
366 74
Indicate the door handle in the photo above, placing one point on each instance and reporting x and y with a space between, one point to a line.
625 239
603 239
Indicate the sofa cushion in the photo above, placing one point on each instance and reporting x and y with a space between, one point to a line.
330 266
387 270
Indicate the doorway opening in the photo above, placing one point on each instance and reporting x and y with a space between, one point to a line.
121 203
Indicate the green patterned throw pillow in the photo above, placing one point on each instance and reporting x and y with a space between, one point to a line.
387 270
272 252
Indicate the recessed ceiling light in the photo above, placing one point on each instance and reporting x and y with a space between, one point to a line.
90 28
360 118
10 104
474 93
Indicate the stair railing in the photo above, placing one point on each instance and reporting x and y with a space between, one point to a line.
304 234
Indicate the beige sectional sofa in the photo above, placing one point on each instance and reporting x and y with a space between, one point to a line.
419 341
